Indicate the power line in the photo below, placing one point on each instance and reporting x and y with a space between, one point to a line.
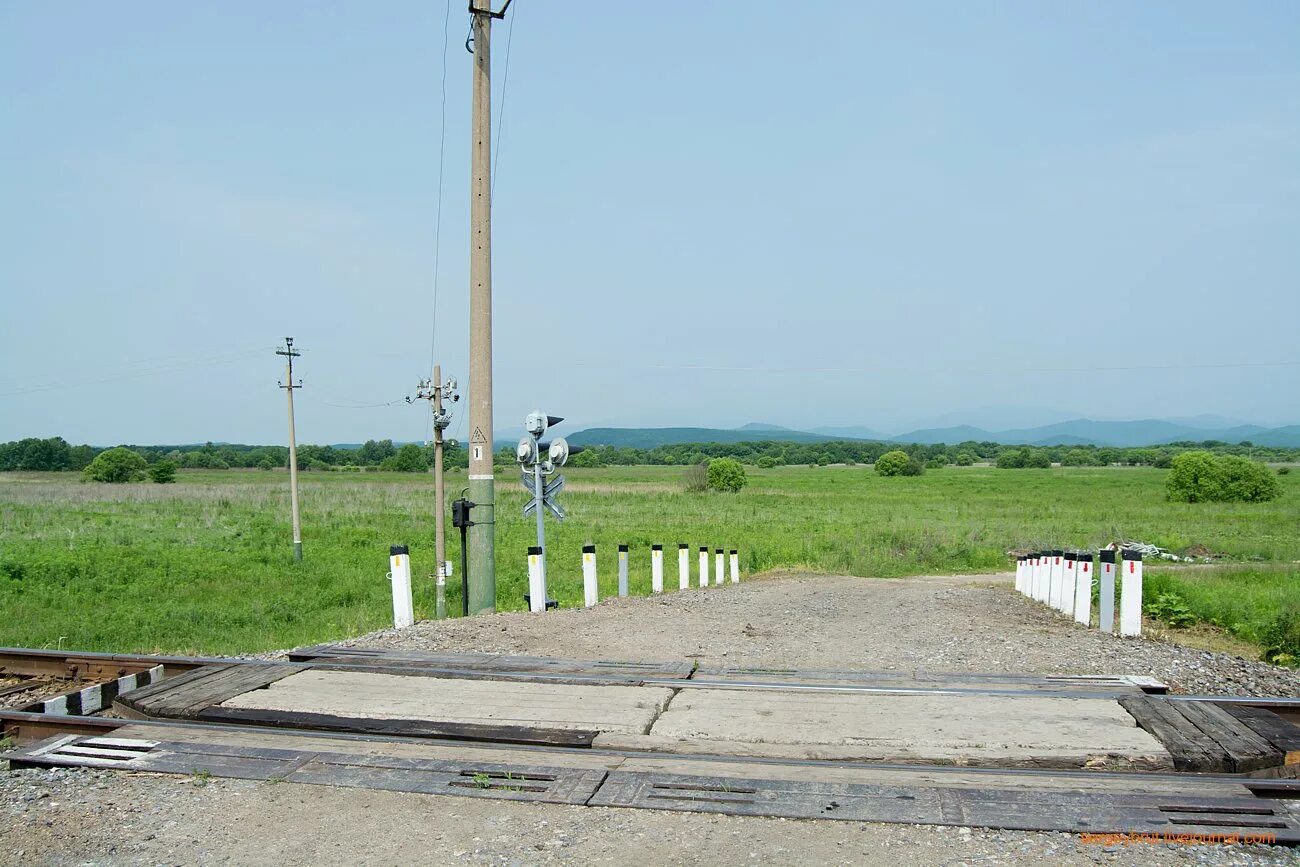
501 115
442 149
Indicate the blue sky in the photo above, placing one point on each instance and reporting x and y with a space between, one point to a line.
705 214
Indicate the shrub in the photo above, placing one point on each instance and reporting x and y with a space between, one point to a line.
163 473
1201 477
1037 459
766 462
893 463
935 464
726 474
1077 458
1281 638
408 459
1247 481
1282 471
696 478
116 466
965 459
1171 608
1011 459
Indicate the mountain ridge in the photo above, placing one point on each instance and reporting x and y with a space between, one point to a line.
1082 431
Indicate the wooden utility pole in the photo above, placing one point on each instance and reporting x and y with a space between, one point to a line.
482 493
288 385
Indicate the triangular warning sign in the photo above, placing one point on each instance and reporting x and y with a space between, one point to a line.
478 436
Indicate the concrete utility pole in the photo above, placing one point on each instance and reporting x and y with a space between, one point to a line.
290 354
482 552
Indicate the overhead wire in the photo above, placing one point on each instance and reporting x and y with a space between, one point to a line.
501 114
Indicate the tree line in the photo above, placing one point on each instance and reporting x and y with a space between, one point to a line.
54 454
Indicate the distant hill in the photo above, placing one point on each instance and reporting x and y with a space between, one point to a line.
1285 437
1146 432
850 432
650 437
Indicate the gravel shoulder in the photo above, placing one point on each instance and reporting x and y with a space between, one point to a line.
939 623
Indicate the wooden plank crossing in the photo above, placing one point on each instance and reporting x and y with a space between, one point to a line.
1206 805
442 730
1283 735
1207 736
974 682
415 661
184 696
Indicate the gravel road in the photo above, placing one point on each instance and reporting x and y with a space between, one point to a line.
939 624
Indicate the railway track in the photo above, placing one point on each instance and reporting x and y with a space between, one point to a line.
481 763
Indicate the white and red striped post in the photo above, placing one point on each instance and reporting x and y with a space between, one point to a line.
735 567
657 568
1054 577
622 570
1130 598
1044 569
683 566
399 573
717 568
1020 573
1035 587
704 566
536 581
1106 591
1083 588
1067 583
590 591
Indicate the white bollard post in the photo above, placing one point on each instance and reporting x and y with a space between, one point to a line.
1130 598
1054 577
704 566
590 592
399 573
1083 588
1067 583
622 570
1033 574
735 567
717 568
1044 574
657 568
683 566
1020 573
1106 591
536 581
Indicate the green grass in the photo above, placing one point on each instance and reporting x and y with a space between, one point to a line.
205 565
1260 605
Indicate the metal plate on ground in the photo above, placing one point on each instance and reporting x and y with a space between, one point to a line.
428 776
1035 810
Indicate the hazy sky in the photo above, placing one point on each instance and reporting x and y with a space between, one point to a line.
706 213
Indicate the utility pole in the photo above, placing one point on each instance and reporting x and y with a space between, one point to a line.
482 483
290 354
433 391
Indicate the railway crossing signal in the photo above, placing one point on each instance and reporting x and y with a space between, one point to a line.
540 461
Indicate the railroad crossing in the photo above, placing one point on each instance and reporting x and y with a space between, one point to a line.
1105 753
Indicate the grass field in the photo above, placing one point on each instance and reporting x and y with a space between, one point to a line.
205 565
